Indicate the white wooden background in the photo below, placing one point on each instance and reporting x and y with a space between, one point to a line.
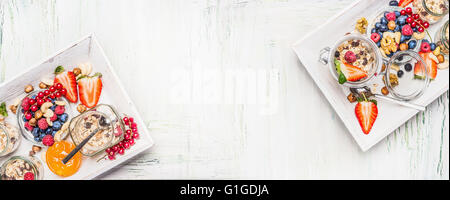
148 41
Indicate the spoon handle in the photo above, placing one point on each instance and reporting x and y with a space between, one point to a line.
403 103
78 147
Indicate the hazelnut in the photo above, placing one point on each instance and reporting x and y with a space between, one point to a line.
76 71
13 108
42 85
81 108
440 58
383 68
36 148
351 98
32 122
403 47
29 88
32 153
384 91
38 114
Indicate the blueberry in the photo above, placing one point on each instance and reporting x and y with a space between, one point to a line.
380 34
37 139
56 125
415 29
33 97
22 110
35 132
383 28
379 44
408 67
393 3
401 20
402 39
41 136
397 29
24 119
391 31
397 13
412 44
53 108
378 25
390 55
425 40
400 73
63 117
400 58
433 46
384 21
48 131
408 37
53 133
374 30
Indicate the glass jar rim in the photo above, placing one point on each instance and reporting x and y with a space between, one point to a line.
3 128
28 161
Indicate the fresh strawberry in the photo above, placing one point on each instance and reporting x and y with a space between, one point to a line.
404 3
353 73
431 67
90 88
69 82
366 113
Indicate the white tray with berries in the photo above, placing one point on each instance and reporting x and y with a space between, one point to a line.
399 30
58 103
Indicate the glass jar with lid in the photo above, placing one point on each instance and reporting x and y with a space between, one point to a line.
9 139
442 39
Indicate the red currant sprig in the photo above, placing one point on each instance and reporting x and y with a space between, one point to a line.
131 134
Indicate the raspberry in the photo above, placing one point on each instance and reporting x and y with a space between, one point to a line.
59 110
425 47
407 30
28 126
25 104
350 57
55 117
390 16
375 37
42 123
48 140
28 176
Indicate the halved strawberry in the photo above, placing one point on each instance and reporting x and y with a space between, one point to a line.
366 113
90 88
431 67
353 73
404 3
69 82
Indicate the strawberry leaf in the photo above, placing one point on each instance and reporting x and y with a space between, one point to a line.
59 69
374 101
3 110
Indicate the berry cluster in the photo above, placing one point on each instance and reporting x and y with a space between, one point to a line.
42 117
131 134
403 24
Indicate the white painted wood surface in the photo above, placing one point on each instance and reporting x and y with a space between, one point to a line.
296 136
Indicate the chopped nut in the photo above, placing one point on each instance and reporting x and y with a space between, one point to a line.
47 81
351 98
49 113
36 148
60 103
13 109
46 106
383 67
32 122
81 108
42 85
86 68
32 153
76 71
384 91
38 114
29 88
443 65
49 122
395 67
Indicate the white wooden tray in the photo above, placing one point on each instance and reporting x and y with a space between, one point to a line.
84 50
390 116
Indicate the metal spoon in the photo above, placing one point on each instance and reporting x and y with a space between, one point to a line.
366 91
103 124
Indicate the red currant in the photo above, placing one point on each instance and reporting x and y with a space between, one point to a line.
413 24
131 120
48 100
47 92
40 102
128 131
131 141
133 125
408 10
58 86
121 151
115 148
111 157
135 135
28 116
52 89
419 21
63 91
108 150
426 24
41 95
126 145
112 153
420 29
125 119
31 101
52 96
415 16
34 108
127 136
403 12
135 130
409 20
121 144
58 94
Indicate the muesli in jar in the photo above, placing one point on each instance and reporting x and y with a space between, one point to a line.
21 168
431 10
9 139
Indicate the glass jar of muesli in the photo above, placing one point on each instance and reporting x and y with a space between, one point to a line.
442 38
431 10
21 168
9 139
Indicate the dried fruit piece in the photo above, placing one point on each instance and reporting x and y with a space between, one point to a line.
351 98
384 91
81 108
29 88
